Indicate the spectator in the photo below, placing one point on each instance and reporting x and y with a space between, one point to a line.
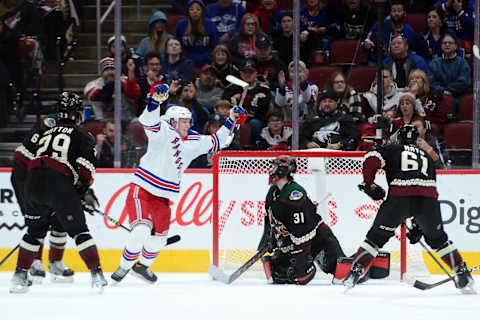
368 131
206 160
222 107
406 111
268 15
402 61
348 100
460 19
316 24
104 149
99 92
242 45
391 95
186 95
429 143
175 66
427 98
227 17
355 18
208 91
275 136
394 25
307 99
450 74
223 64
283 42
431 39
153 76
331 129
54 26
21 17
257 99
157 35
126 56
268 66
197 33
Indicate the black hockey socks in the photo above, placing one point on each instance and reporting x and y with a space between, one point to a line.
58 241
29 247
450 255
87 250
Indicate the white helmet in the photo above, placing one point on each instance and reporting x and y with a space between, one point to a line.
176 112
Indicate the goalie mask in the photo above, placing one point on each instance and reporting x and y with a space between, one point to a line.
408 134
175 113
282 167
69 107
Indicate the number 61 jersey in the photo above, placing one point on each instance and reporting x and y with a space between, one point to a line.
409 170
69 150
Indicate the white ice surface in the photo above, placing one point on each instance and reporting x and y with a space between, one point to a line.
195 296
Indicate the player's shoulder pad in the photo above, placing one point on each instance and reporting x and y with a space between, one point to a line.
294 192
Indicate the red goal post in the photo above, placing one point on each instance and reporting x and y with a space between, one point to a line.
240 184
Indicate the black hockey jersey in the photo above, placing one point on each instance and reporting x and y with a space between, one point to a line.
292 215
409 170
67 149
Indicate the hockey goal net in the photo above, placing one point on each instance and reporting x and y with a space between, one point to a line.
240 184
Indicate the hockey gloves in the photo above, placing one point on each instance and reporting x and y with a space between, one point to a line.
414 233
239 114
90 201
374 191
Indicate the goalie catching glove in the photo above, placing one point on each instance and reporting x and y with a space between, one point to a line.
90 201
374 191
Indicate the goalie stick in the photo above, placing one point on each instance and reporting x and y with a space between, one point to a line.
427 286
221 276
9 254
170 240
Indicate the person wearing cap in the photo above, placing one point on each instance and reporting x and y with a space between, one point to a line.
331 129
215 122
242 44
197 33
227 17
99 92
208 91
157 35
126 56
402 61
268 66
307 100
283 42
257 99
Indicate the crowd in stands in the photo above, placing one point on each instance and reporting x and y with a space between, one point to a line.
427 71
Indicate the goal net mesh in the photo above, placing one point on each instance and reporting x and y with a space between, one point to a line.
330 180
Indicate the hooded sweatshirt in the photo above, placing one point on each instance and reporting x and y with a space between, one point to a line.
143 47
199 51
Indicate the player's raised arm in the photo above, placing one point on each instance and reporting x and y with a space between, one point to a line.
150 116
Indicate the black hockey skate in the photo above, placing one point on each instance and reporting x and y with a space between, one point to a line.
98 280
37 271
144 273
59 272
354 276
118 275
464 281
20 281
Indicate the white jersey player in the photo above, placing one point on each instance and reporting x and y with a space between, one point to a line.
171 148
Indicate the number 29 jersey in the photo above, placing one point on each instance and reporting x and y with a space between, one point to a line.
67 149
409 170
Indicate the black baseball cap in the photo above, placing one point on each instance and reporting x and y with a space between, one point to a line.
249 64
263 41
327 95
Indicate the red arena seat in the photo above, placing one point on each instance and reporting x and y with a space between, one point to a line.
172 23
466 108
94 127
320 75
347 52
137 133
361 78
418 21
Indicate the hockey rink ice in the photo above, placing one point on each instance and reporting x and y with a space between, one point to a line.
194 296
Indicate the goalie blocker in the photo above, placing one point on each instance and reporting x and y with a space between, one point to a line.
379 269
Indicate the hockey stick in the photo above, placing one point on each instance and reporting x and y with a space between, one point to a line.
476 51
221 276
9 254
238 82
427 286
430 254
170 240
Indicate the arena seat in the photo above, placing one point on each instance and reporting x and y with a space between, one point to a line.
466 108
458 142
172 23
320 75
361 78
94 127
347 52
137 133
418 21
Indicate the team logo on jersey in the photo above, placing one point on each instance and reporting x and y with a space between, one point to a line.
295 195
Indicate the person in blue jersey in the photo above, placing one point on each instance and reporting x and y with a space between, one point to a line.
197 33
227 17
460 19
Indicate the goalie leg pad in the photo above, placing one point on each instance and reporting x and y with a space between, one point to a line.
380 267
344 264
267 268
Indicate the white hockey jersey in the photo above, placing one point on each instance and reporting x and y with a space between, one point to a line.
168 155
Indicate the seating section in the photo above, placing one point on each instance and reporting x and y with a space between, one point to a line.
94 127
320 75
136 132
172 23
458 143
347 52
361 78
466 108
418 21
